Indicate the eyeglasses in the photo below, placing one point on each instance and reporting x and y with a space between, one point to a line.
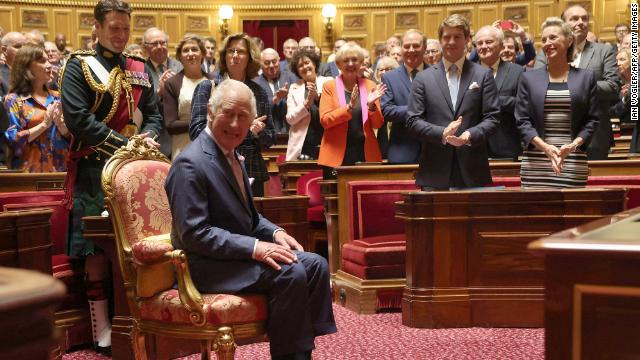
240 52
156 43
270 62
432 51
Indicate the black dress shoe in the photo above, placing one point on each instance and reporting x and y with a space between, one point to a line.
104 350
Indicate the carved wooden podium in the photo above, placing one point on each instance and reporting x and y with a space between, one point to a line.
289 212
467 259
592 281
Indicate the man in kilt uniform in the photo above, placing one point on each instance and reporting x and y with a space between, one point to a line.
107 97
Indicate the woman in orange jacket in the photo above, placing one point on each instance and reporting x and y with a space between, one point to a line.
349 112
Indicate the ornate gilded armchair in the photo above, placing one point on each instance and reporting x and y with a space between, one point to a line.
133 183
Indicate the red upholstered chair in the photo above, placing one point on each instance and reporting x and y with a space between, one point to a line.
373 261
309 185
133 184
72 317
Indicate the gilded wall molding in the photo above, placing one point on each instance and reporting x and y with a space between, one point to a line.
258 7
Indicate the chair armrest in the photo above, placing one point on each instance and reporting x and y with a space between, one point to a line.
152 249
189 296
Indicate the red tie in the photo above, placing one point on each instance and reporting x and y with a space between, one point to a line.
237 172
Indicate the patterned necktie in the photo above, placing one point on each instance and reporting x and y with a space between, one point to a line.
237 172
160 69
453 84
414 72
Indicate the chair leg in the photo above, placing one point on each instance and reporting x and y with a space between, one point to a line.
205 350
138 341
225 344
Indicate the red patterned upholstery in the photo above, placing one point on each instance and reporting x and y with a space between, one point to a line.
630 182
142 201
377 247
219 308
316 214
141 216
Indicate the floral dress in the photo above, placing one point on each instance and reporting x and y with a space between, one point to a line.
47 152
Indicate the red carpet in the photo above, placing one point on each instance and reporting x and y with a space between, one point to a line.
383 336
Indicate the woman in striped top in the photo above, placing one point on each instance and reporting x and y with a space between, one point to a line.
556 113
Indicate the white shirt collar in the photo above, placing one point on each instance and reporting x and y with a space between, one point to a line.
459 63
580 47
165 63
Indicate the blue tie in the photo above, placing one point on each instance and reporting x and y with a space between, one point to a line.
453 84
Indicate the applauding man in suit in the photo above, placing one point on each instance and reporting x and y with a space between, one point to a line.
403 148
453 109
505 143
231 247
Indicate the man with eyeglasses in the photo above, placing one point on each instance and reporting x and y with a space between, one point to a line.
161 67
620 30
433 54
275 82
403 148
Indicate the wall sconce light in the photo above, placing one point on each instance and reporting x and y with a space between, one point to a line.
225 13
328 13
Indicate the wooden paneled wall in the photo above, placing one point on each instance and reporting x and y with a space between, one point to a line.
366 22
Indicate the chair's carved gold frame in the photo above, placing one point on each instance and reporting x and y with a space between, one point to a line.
221 339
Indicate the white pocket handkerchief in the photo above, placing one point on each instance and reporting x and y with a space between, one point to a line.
474 85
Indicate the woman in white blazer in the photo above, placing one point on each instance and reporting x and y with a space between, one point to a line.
303 115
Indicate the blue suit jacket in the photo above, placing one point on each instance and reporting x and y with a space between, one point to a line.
210 222
278 110
530 104
403 147
505 143
431 110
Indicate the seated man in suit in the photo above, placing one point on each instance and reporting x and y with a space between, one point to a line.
403 148
275 82
453 109
231 247
505 143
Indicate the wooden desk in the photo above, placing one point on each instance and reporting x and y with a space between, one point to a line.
25 238
20 181
467 260
28 300
291 171
592 281
289 212
338 200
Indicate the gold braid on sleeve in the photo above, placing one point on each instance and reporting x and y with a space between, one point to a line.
117 82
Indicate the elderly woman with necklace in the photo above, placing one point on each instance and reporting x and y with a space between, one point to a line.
349 112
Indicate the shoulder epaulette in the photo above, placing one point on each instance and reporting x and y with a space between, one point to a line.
69 57
134 56
83 53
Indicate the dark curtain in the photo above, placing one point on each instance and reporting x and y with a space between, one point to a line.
275 32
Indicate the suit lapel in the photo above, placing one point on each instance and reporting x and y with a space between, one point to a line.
219 160
538 92
503 72
441 80
405 77
465 80
587 54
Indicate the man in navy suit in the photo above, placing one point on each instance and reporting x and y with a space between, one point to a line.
505 142
403 148
275 82
231 247
453 109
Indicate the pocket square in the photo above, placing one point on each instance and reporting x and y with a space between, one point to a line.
474 85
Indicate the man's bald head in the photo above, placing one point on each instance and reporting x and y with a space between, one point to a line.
11 43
